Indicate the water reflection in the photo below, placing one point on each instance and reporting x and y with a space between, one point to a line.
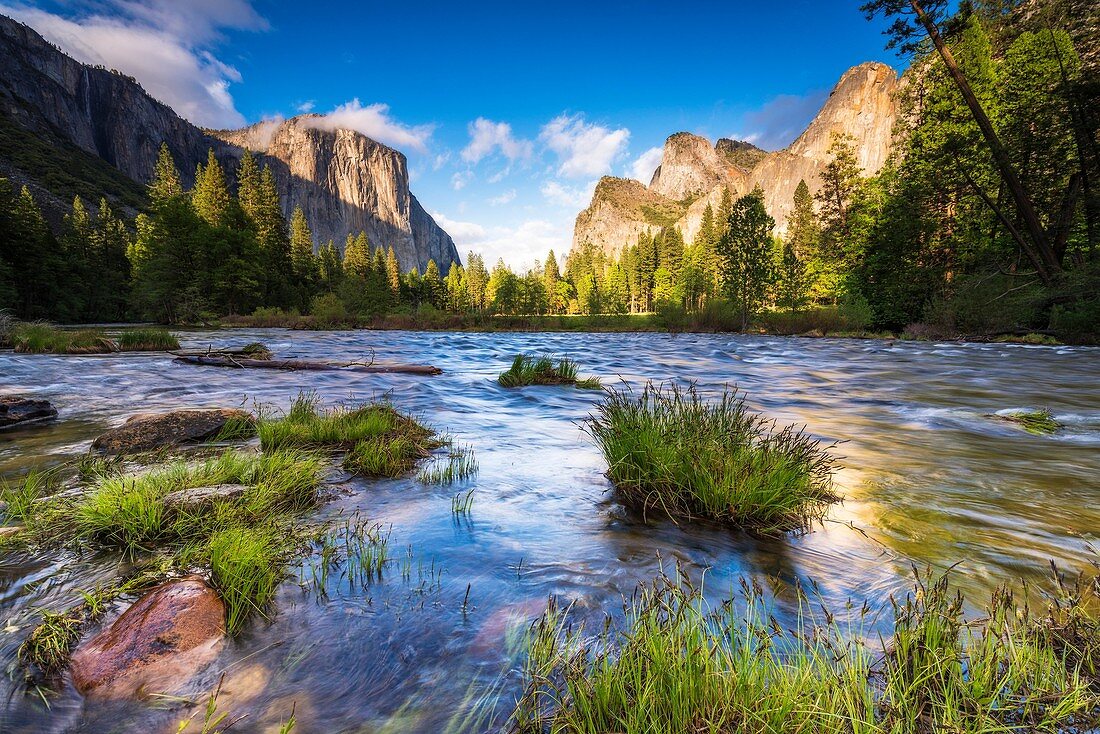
928 479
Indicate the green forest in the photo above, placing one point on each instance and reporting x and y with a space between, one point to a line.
985 221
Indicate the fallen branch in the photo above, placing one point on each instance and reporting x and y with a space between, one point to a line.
304 365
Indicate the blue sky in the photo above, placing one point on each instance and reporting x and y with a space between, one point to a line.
508 112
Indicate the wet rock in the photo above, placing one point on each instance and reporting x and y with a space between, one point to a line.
148 431
157 644
10 531
202 497
15 410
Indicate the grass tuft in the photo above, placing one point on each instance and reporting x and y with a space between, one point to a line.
670 450
147 340
457 466
43 338
378 440
246 566
1039 422
529 370
677 666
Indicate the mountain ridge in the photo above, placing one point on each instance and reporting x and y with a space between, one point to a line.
693 172
110 116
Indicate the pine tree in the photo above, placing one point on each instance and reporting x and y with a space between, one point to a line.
210 196
745 251
357 256
802 222
477 281
393 275
303 263
433 285
166 179
331 266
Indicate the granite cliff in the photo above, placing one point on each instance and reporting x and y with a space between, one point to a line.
694 173
105 124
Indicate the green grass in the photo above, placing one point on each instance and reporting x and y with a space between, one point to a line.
676 666
42 338
1038 422
147 340
246 566
668 449
457 466
377 440
543 370
130 511
47 648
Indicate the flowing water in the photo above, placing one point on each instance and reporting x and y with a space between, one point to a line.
929 479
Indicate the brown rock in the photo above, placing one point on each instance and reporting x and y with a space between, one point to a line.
148 431
157 644
15 410
10 531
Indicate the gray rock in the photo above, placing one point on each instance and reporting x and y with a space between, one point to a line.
201 497
15 410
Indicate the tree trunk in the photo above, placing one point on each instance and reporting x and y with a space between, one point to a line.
1048 262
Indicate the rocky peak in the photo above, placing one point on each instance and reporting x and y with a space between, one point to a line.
690 167
693 173
743 155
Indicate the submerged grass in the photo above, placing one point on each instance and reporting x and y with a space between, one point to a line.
377 440
676 666
1039 422
670 450
530 370
147 340
457 466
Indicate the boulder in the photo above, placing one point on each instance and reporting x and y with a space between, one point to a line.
15 410
158 644
10 531
201 497
149 431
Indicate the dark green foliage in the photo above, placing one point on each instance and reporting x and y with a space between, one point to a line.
745 255
671 451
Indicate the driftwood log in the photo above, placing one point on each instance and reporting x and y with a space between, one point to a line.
301 364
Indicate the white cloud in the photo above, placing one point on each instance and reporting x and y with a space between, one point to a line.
161 43
441 160
520 246
584 149
568 196
375 121
304 107
644 166
506 198
487 136
460 179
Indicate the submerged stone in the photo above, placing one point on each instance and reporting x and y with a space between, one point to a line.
158 644
148 431
15 410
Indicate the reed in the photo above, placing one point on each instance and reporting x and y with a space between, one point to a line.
668 449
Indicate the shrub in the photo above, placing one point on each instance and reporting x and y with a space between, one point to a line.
671 451
329 311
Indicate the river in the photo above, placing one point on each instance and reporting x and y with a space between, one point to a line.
928 479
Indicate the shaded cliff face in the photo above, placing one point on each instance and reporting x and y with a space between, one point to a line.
693 174
344 181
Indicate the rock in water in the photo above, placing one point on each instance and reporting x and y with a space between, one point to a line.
189 500
157 644
148 431
15 410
